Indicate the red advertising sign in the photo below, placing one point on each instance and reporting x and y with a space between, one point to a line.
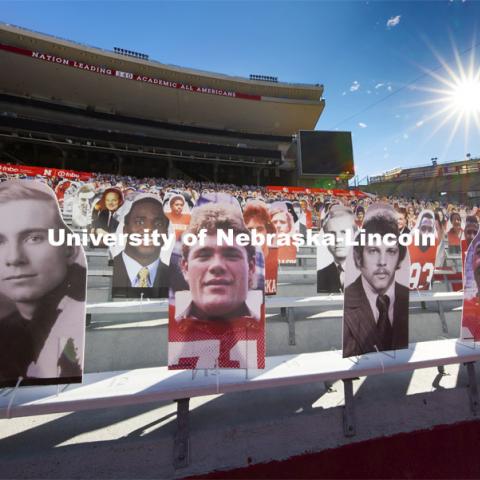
309 191
102 70
30 171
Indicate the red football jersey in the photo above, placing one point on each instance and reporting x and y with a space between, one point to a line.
422 266
236 343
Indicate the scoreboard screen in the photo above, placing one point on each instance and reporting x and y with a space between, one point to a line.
324 153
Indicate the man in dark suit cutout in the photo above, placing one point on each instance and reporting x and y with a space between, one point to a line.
139 269
330 279
376 306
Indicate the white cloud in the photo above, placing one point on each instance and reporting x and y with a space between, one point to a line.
355 86
393 21
389 88
362 125
343 94
419 123
405 136
379 85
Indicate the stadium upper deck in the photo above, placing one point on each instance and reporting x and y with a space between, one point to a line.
68 105
47 68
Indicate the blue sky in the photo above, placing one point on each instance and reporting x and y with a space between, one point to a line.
370 56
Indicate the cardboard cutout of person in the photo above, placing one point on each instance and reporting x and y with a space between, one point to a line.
376 288
471 299
42 290
469 233
139 270
104 218
455 232
256 217
339 223
82 206
178 212
423 256
219 322
283 218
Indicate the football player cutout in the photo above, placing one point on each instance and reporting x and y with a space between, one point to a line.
376 288
220 321
42 290
471 299
422 257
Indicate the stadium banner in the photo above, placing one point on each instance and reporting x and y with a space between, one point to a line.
471 299
48 172
423 256
42 294
312 191
102 70
216 308
375 311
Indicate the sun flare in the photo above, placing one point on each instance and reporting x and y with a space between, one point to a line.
455 98
465 97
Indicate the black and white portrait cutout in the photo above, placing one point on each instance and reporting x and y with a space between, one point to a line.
82 204
42 290
375 316
339 225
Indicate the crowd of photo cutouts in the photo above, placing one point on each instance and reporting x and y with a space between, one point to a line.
216 293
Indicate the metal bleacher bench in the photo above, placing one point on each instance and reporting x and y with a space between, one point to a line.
121 388
287 306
